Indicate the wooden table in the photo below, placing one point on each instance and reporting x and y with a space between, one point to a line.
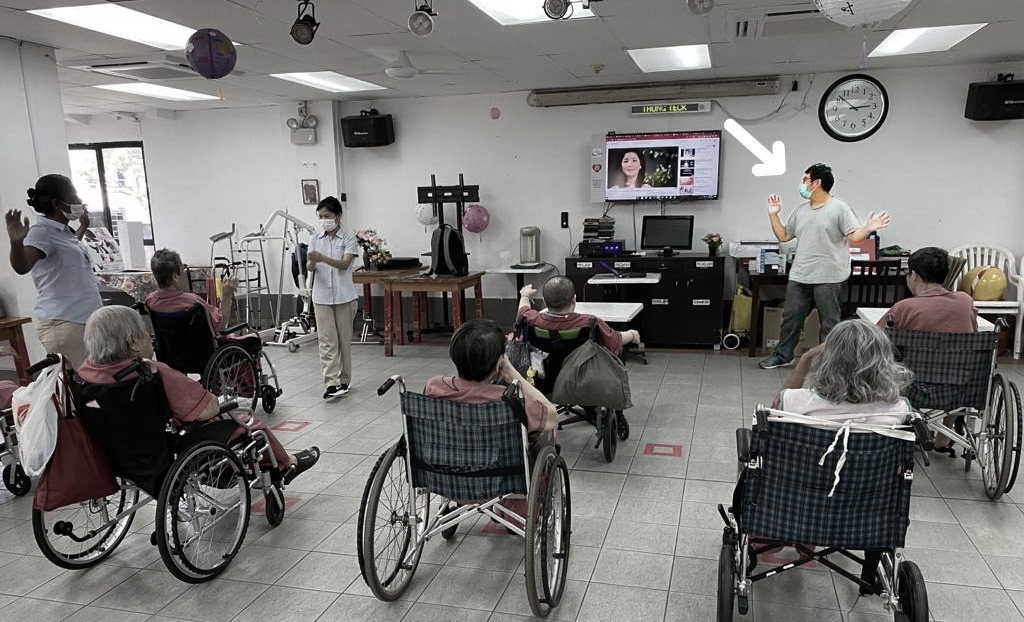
366 278
420 286
10 330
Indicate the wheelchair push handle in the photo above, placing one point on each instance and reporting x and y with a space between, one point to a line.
135 366
390 382
51 359
227 406
921 431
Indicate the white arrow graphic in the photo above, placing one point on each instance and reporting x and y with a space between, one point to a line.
772 163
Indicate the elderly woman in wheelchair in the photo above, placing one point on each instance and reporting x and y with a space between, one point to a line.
169 437
478 447
191 337
830 472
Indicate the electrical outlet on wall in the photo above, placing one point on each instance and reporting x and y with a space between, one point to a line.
565 220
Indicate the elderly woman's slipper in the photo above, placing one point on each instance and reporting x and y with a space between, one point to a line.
303 461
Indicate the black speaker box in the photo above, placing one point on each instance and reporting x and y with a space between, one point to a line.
374 130
995 101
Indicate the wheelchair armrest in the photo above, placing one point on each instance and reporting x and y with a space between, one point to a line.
234 329
743 437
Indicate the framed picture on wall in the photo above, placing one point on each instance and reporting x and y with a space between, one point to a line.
310 191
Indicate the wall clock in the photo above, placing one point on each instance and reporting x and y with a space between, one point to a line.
853 108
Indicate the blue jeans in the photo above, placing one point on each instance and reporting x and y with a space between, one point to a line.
800 299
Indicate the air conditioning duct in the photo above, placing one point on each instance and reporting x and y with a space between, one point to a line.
659 91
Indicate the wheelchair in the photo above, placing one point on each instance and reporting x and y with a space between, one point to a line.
955 374
823 487
610 425
231 368
15 479
202 484
441 455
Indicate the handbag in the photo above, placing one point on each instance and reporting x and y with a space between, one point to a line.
36 408
79 470
593 376
523 355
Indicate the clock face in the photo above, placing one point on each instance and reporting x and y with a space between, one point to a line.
853 108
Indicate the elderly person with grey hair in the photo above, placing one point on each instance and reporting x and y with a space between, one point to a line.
169 273
852 373
115 336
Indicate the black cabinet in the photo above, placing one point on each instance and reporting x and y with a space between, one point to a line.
683 308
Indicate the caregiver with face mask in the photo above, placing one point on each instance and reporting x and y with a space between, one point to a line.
66 291
822 226
335 300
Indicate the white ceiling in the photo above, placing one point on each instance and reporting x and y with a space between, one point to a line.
470 53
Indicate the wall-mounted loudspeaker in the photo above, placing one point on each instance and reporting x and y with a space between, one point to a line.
995 101
368 130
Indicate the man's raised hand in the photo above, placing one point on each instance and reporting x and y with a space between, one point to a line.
774 204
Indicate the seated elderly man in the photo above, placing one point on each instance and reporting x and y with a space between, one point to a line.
560 298
115 336
169 273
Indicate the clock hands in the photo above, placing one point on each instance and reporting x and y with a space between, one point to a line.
852 107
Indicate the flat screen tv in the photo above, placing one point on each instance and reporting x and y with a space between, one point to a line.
662 166
675 232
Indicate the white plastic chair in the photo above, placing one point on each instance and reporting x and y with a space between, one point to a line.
999 257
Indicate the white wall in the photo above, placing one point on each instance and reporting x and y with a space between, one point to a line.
33 144
945 180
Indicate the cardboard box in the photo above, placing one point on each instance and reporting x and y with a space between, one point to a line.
772 326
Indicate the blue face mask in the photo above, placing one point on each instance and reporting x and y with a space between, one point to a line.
805 192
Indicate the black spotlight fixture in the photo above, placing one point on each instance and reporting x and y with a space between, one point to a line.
421 22
305 26
556 9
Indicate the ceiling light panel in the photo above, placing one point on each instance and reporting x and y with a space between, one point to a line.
920 40
674 58
155 90
118 21
509 13
328 81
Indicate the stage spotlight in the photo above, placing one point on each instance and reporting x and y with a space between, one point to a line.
556 9
305 26
700 7
421 22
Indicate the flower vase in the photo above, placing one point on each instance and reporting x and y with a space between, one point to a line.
367 264
713 250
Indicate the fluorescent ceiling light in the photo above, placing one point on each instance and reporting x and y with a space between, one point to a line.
117 21
509 13
674 58
918 40
155 90
328 81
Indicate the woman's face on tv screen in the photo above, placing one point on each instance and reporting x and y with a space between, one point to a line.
630 163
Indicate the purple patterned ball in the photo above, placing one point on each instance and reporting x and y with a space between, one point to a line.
476 219
210 53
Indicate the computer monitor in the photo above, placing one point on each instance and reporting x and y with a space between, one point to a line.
675 232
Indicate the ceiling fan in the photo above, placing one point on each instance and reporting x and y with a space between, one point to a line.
400 66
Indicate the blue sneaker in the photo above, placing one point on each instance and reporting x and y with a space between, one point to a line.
773 361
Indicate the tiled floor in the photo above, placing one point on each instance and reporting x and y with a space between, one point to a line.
645 529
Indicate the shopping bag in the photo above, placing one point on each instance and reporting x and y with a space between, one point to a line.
524 356
79 470
739 319
36 408
592 376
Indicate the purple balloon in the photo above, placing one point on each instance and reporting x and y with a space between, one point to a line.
210 53
476 219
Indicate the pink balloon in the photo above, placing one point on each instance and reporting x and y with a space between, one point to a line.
495 113
476 219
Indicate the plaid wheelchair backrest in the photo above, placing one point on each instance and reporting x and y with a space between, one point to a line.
464 451
951 370
787 497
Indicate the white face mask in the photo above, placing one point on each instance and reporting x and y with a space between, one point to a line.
329 224
74 210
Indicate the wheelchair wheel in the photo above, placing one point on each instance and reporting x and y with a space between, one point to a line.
232 372
1015 458
268 396
273 503
391 521
609 432
548 531
622 425
16 480
726 582
913 594
82 534
1000 423
202 512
